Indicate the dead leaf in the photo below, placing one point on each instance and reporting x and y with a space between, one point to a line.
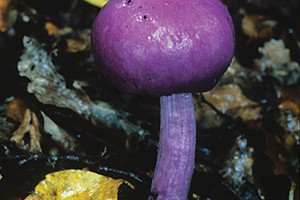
256 26
230 99
4 4
76 46
15 109
77 185
98 3
8 15
51 28
294 107
271 151
30 124
291 99
249 27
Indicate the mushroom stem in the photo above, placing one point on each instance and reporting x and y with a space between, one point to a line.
176 153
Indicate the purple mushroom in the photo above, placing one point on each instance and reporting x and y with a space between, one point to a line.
166 48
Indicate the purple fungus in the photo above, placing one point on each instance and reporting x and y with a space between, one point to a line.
166 48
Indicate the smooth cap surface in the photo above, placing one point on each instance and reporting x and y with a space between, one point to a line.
160 47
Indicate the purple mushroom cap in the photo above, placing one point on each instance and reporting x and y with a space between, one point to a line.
161 47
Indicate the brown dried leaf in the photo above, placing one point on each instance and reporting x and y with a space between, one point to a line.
230 99
8 15
30 124
16 109
249 27
51 28
271 151
4 4
257 26
291 99
289 117
294 107
76 46
289 142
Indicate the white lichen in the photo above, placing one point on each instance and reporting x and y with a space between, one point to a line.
238 166
276 62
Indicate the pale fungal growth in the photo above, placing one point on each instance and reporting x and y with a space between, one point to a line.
58 134
290 121
239 164
276 61
102 112
49 87
46 84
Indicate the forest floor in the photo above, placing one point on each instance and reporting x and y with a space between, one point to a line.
57 112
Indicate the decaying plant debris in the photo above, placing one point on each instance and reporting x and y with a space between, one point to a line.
49 87
247 127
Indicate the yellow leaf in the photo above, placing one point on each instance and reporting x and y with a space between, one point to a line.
98 3
77 185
